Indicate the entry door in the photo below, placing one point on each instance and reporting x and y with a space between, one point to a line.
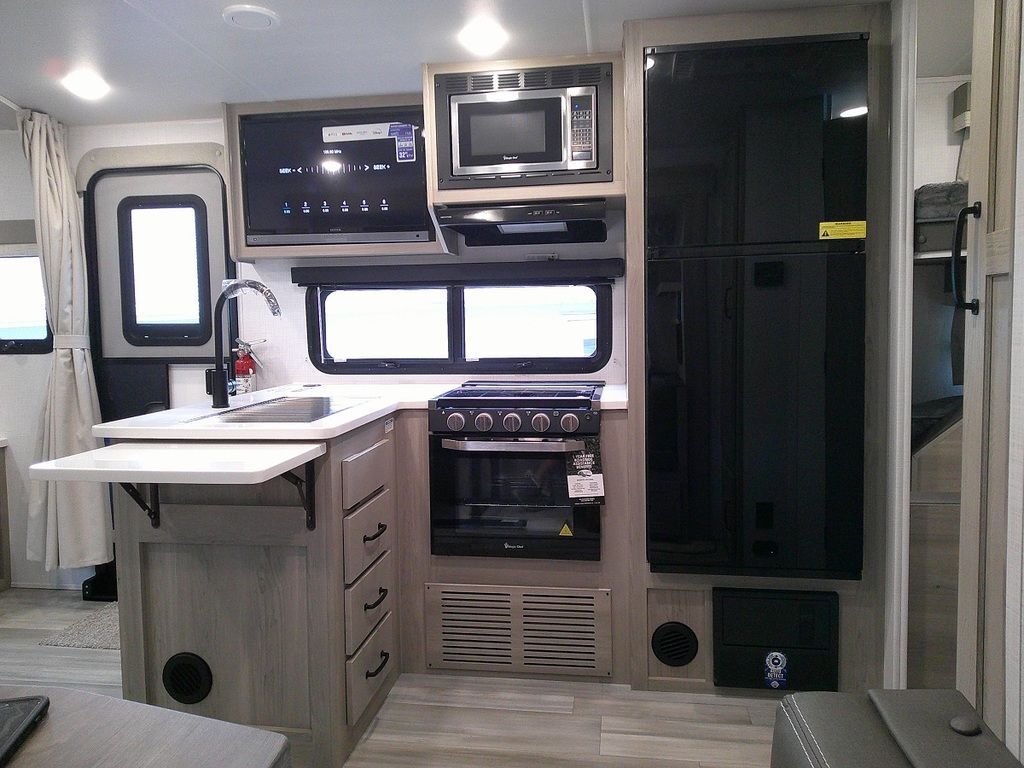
989 337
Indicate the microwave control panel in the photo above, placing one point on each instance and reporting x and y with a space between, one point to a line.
582 119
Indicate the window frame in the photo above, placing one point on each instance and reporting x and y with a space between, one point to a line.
456 362
42 346
154 334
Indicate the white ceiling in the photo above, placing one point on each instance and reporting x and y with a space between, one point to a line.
174 59
944 31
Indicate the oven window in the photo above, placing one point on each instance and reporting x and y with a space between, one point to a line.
386 324
460 329
550 321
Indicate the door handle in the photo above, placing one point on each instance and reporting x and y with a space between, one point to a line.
513 446
385 656
382 591
381 527
954 260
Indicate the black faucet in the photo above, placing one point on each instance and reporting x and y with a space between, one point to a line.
217 383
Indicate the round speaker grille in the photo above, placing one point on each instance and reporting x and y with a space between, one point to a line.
674 644
187 678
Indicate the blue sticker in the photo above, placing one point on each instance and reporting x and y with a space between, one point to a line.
775 672
405 141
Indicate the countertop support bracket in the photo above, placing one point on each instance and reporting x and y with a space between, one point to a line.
307 492
152 508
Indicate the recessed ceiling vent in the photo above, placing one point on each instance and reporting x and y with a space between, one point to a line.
253 18
674 644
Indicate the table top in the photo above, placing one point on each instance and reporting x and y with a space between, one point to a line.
243 463
86 730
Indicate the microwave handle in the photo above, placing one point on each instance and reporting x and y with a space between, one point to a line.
513 446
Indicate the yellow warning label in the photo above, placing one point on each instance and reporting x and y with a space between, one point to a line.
566 530
842 230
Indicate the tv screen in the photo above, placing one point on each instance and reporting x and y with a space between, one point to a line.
339 176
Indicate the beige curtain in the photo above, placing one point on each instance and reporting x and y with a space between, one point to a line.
68 522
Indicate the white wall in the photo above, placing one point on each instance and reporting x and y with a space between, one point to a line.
936 146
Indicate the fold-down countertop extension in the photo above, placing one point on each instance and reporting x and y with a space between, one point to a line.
236 463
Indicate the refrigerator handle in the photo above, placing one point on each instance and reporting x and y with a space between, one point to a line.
956 257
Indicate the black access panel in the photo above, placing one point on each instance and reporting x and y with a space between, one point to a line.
776 639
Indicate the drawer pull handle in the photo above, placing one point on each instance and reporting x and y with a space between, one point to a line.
370 606
385 656
381 527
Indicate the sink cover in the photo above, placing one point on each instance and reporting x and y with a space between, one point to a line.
300 410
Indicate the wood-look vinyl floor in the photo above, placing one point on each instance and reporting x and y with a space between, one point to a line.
435 721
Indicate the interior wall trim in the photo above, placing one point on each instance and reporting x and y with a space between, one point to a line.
150 156
901 307
1015 481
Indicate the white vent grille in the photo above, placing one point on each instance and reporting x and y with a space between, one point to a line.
519 629
476 628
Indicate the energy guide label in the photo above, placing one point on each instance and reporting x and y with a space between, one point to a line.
583 474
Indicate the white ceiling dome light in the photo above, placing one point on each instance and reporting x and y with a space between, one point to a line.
86 83
482 36
250 17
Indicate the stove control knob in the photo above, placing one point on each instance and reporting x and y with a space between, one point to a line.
541 422
512 422
484 422
455 422
570 422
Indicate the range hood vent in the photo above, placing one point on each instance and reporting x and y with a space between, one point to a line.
544 223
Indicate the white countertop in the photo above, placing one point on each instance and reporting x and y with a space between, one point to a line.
174 462
198 422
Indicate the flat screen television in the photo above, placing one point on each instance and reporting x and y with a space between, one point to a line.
334 176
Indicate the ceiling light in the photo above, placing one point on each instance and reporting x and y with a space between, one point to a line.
649 63
250 17
854 112
86 84
482 36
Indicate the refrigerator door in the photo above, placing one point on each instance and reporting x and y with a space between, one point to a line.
755 414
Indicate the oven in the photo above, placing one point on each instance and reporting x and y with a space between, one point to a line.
500 479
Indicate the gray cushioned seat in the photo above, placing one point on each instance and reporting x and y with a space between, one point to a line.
883 729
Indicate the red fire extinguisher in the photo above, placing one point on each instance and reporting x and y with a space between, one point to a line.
245 366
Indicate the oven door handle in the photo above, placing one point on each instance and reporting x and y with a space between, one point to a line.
513 446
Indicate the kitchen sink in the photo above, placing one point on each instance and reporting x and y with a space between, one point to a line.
298 410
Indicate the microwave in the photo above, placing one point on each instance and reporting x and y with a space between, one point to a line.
550 125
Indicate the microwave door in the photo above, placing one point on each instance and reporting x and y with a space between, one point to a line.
507 132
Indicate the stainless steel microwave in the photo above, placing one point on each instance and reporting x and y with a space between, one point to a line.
533 126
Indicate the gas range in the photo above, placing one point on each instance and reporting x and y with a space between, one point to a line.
520 409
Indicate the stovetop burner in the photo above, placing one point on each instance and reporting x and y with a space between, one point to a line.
526 408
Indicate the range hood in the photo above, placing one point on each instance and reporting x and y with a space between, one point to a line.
571 221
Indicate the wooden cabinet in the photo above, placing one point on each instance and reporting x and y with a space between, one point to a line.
369 536
288 620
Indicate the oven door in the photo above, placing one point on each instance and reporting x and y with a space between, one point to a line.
508 498
510 131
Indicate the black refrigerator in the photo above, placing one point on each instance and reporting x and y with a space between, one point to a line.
756 164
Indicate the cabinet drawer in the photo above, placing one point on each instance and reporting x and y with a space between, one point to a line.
368 533
368 600
365 472
366 672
